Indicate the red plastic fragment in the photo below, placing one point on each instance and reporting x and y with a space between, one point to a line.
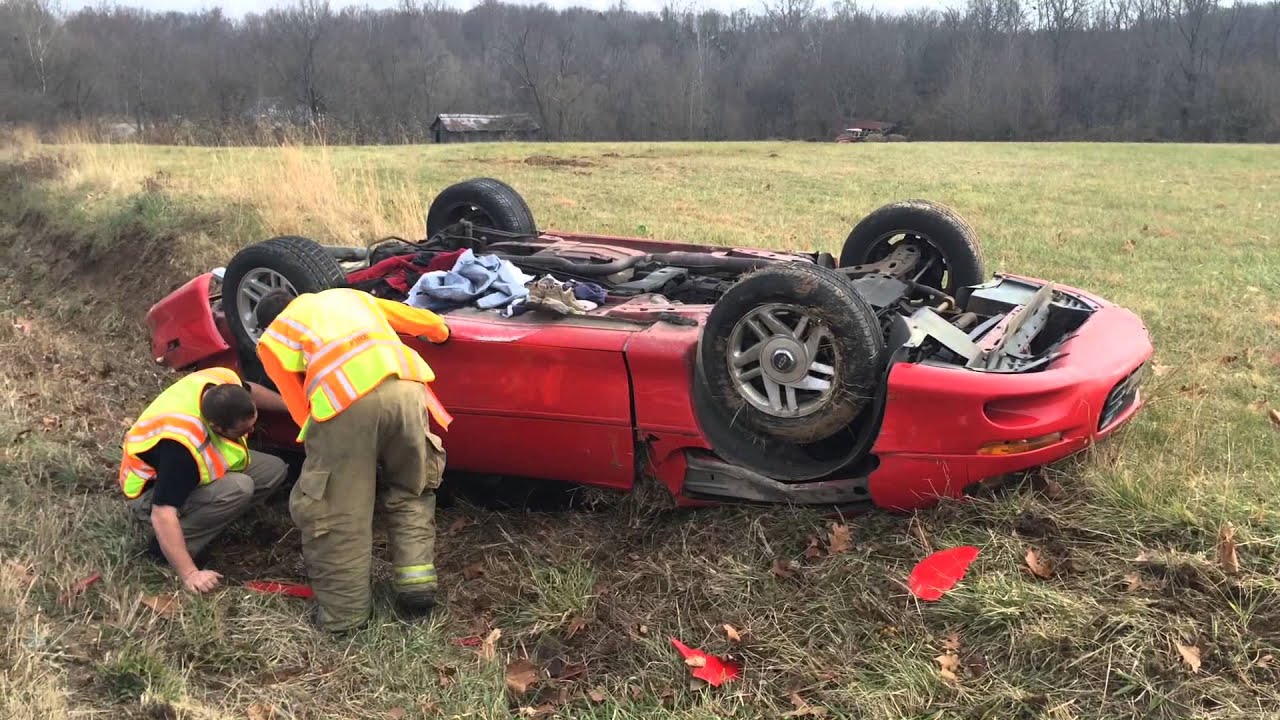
938 573
716 671
469 641
290 589
75 590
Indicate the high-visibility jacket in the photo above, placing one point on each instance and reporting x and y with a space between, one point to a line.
331 348
175 415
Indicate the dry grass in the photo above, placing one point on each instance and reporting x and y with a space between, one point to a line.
1183 234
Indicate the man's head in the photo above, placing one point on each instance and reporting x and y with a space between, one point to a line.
229 410
270 307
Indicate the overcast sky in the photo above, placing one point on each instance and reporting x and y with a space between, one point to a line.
238 8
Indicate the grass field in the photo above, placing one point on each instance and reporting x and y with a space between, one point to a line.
1139 616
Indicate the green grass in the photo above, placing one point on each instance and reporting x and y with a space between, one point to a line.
1187 236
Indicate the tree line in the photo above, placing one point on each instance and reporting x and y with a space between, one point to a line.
1142 70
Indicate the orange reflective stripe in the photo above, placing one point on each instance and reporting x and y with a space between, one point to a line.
436 408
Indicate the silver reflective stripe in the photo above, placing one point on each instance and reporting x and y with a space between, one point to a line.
291 344
339 362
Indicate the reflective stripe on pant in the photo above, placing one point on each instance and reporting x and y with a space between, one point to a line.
337 494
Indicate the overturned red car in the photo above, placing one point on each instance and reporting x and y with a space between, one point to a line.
892 375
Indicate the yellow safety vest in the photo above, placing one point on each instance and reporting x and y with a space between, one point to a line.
175 415
345 347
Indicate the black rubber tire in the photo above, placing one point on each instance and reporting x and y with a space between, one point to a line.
503 207
946 230
303 262
857 344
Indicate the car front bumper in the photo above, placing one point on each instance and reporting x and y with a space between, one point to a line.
947 427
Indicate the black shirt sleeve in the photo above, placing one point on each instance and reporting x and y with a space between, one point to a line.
176 473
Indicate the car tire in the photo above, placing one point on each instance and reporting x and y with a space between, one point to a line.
484 201
952 239
791 352
291 263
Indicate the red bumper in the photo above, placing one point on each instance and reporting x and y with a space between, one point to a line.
938 418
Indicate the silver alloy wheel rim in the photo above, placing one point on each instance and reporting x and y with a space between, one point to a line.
782 360
253 287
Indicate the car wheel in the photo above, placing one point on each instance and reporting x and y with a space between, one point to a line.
483 201
791 352
950 256
295 264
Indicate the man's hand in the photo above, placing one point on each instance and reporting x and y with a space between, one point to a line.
201 581
448 334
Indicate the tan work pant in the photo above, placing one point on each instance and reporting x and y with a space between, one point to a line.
209 509
334 500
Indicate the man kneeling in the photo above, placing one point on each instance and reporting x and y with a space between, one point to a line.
188 470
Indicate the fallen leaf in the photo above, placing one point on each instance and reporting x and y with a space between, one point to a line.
22 326
458 524
783 569
166 605
803 709
939 572
711 668
636 693
948 663
446 674
814 550
521 674
75 590
839 539
951 643
473 571
395 714
1190 655
976 664
596 695
633 557
1265 661
575 626
732 633
1160 370
1134 582
541 711
1275 416
1129 245
429 708
50 421
19 572
261 711
1052 489
1227 556
1143 556
1042 568
489 648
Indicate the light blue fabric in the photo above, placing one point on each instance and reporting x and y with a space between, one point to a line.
486 280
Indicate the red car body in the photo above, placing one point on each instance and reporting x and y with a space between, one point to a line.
600 399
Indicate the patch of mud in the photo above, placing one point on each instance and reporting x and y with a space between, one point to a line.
549 161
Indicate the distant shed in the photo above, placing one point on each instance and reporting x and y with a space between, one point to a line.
462 128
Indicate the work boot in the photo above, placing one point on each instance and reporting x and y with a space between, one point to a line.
415 606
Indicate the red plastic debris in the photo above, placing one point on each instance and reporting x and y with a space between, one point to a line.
938 573
469 641
715 671
78 588
275 588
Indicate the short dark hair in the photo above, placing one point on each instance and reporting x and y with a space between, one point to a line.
225 406
270 307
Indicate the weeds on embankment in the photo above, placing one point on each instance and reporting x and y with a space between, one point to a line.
1126 609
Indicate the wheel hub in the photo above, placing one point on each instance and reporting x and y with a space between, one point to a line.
253 287
782 360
